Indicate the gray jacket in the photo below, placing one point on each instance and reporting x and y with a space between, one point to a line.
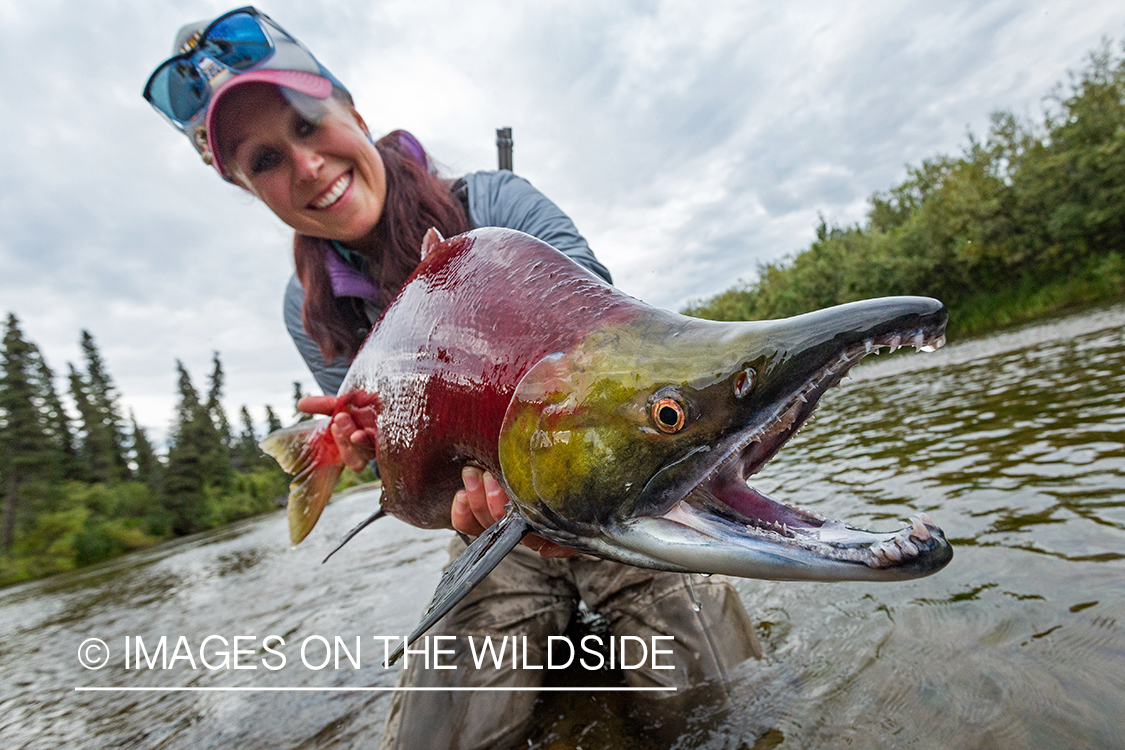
496 199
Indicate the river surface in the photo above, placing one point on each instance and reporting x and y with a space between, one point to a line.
1014 444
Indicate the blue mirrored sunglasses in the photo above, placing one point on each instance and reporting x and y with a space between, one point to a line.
181 86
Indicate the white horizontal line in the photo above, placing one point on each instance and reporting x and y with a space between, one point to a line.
372 689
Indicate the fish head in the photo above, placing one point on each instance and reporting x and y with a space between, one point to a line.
637 443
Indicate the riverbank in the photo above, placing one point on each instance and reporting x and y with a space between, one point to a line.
1101 281
102 522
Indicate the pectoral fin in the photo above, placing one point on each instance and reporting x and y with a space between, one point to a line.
469 569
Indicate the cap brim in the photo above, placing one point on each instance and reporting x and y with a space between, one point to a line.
310 84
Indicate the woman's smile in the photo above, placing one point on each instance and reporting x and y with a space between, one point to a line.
334 192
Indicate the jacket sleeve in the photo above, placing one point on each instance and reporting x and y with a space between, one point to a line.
328 375
504 199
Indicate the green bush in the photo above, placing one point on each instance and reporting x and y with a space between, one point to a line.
1029 221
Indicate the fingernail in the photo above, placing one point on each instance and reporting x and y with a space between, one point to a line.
490 483
470 475
459 504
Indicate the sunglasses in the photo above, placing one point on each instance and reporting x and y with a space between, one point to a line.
181 86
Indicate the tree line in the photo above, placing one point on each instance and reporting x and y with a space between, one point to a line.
80 488
1029 220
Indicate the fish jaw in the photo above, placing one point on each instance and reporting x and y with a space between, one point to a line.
682 501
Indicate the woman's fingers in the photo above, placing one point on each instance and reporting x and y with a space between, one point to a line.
476 496
317 405
482 503
356 446
495 497
463 518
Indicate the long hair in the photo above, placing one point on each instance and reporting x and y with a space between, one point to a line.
417 199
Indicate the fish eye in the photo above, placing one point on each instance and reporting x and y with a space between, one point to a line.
668 413
744 382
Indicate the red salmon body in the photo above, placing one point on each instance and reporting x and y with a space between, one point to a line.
479 311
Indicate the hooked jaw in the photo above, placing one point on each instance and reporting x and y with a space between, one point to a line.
722 525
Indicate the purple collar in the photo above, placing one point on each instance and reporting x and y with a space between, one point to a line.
348 281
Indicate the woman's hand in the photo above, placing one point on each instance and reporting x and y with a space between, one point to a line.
481 504
356 444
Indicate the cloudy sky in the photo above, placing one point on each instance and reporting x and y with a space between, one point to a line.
689 141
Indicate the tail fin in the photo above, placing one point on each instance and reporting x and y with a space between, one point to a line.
308 451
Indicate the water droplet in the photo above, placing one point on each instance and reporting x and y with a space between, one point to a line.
695 605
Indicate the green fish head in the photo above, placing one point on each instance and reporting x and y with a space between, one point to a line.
637 443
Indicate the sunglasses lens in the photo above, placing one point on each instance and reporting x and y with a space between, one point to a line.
179 90
237 42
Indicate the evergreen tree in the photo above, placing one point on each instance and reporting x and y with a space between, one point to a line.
197 461
215 406
247 454
56 420
273 424
298 394
147 464
183 493
28 453
102 438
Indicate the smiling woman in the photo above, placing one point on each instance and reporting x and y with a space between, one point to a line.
262 111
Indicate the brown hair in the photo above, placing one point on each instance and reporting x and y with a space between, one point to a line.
417 199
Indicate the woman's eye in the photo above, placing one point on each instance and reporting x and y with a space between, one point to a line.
305 128
264 161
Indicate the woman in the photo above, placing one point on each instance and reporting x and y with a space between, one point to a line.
268 117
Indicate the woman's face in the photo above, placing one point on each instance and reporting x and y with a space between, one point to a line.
316 169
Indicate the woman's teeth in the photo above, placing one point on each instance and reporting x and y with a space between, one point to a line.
334 194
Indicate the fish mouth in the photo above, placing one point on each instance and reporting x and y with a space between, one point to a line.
723 525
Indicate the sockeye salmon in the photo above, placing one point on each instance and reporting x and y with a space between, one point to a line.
616 428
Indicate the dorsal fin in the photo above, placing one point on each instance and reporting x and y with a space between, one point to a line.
432 239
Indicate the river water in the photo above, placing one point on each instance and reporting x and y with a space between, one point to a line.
1014 444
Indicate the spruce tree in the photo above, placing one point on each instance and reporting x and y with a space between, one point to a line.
214 403
197 460
56 420
144 457
247 454
185 477
273 424
27 451
102 438
298 394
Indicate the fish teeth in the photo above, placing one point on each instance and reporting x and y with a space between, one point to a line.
907 547
919 531
892 551
934 345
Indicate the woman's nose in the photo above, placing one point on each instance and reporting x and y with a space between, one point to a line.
309 162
